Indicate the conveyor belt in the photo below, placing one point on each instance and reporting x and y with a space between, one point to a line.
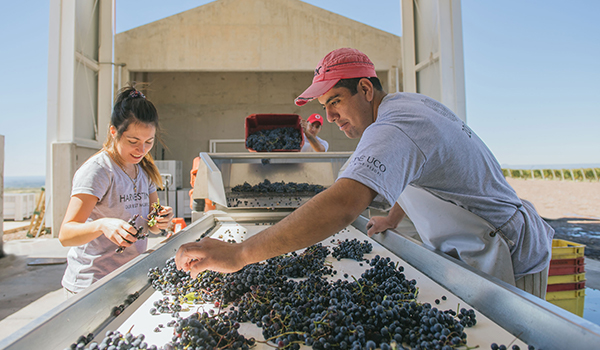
482 334
503 311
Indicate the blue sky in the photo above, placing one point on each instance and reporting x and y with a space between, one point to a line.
531 73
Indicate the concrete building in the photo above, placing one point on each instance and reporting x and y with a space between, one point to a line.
213 65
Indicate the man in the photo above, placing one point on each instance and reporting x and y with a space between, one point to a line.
312 127
414 154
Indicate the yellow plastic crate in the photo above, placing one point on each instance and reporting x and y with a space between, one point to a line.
567 294
562 249
573 305
566 278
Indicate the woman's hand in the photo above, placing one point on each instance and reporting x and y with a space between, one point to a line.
117 231
163 220
76 230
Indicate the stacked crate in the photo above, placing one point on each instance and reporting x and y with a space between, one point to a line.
566 276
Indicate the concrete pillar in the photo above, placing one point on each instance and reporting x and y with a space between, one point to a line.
63 153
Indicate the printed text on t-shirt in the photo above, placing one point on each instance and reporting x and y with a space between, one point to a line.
371 163
133 197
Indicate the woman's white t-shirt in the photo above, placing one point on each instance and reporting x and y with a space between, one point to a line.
101 177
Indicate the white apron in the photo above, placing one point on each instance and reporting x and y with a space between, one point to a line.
458 233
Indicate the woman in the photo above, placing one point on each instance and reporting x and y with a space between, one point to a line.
112 187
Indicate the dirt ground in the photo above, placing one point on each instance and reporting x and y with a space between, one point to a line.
571 208
22 234
560 199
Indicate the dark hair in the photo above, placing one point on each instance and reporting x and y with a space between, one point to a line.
131 106
352 84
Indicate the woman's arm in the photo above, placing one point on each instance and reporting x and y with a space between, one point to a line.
76 231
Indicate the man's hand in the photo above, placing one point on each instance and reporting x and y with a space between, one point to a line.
209 254
378 224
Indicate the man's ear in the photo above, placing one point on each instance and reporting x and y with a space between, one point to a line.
366 87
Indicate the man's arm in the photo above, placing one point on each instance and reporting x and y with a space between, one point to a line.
322 216
314 143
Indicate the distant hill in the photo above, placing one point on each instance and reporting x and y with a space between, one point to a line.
16 182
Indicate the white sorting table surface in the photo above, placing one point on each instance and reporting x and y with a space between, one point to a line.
484 333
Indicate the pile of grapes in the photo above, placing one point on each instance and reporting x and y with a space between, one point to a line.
287 138
376 310
278 187
351 249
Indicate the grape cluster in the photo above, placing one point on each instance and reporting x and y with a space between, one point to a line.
286 138
213 286
138 235
495 346
113 341
82 341
117 310
351 249
155 209
275 201
171 281
311 262
277 187
204 331
165 306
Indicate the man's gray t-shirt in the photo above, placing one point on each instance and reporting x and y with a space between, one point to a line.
101 177
418 141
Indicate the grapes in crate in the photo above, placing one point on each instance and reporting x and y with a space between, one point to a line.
286 138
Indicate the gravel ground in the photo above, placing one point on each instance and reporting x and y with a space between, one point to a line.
571 208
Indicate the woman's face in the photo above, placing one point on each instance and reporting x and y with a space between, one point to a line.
135 142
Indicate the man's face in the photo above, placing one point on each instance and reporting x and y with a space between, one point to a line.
313 128
351 113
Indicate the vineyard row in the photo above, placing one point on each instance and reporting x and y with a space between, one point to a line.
586 174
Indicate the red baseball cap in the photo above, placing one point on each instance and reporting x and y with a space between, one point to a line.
344 63
315 118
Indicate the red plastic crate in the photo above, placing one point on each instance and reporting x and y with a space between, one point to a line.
565 270
565 286
257 122
567 262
